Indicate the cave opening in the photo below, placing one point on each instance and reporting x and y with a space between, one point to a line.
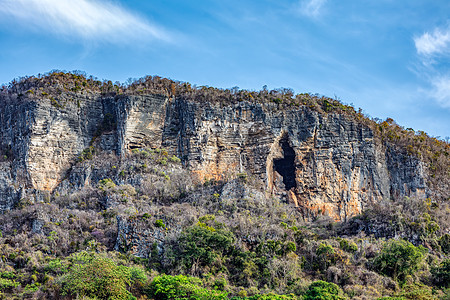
285 166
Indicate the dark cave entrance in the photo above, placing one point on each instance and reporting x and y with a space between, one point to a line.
285 166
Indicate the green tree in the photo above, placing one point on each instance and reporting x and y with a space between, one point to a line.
417 291
444 242
322 290
325 257
201 245
98 278
166 287
399 258
267 297
441 273
7 284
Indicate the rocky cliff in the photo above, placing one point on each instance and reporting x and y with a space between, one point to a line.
321 162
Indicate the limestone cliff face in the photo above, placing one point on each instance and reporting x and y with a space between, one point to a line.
46 138
321 163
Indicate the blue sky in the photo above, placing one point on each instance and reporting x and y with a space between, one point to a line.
389 57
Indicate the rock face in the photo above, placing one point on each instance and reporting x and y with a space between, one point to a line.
321 163
139 237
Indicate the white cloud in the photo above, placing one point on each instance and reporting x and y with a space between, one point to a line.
434 49
95 20
437 42
311 8
441 90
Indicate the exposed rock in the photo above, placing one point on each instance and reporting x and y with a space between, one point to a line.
322 163
235 190
138 237
10 191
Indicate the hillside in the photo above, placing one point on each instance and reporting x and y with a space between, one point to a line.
240 193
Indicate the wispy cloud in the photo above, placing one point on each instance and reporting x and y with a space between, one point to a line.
89 20
437 42
441 90
311 8
433 49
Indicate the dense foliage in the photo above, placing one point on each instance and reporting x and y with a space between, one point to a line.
321 290
100 277
399 259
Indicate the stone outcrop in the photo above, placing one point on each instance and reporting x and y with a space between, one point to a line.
46 137
139 237
322 163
